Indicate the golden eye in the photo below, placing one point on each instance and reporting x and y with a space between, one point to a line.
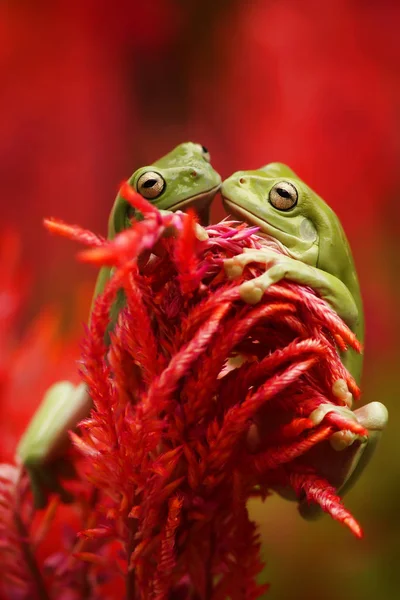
150 185
283 196
206 154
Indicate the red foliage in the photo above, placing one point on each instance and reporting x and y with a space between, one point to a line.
173 450
200 402
35 549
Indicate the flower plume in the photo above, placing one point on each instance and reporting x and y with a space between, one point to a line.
200 402
175 453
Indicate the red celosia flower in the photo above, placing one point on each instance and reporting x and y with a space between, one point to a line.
200 402
35 550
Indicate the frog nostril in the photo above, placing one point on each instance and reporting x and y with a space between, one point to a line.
242 180
194 173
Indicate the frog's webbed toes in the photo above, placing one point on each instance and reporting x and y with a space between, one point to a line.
341 391
251 292
235 266
340 439
373 416
200 233
232 268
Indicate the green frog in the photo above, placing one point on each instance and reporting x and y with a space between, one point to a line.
183 178
316 253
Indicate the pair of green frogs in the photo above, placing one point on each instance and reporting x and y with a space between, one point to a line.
316 254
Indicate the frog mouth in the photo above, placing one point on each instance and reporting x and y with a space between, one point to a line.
266 229
200 203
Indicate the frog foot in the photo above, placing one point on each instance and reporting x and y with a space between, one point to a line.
200 233
341 392
42 448
373 417
340 439
346 456
252 291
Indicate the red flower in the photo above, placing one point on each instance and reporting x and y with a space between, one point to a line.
200 402
35 549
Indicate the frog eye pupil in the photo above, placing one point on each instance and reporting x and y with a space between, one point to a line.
149 183
283 193
205 150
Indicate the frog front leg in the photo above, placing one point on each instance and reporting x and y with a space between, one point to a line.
278 267
40 448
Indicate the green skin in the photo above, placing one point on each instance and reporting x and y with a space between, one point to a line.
317 254
187 179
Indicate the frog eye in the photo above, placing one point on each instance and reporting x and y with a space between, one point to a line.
150 185
206 154
283 196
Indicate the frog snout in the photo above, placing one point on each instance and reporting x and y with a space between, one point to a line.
197 173
245 182
237 183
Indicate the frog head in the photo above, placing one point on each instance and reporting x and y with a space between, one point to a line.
182 178
286 209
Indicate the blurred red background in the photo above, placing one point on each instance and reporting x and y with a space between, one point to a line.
88 94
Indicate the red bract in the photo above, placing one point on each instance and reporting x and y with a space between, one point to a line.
170 439
35 549
29 571
200 402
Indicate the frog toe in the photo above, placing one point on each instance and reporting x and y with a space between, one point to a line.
341 391
250 292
